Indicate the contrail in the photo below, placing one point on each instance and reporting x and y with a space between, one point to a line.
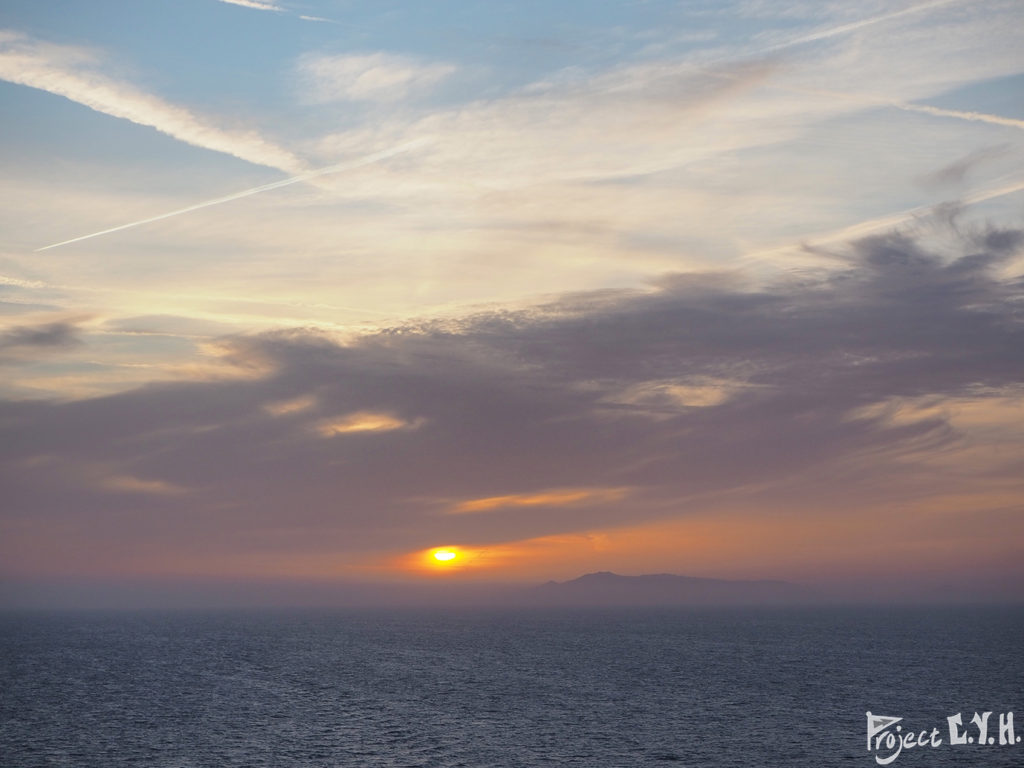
882 101
980 117
346 166
855 25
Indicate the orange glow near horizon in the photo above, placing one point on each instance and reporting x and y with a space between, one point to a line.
949 534
803 545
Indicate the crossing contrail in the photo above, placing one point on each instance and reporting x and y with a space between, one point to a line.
855 25
346 166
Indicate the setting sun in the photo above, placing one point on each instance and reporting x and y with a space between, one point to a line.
443 561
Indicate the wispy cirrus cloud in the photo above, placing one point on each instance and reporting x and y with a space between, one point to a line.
131 484
377 76
259 5
555 497
363 421
72 72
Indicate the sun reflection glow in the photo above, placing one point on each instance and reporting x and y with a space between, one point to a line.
445 555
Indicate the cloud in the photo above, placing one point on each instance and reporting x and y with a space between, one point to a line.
262 5
259 5
363 421
71 72
129 484
32 343
584 181
555 497
537 156
167 325
957 171
56 334
367 77
19 282
787 395
291 405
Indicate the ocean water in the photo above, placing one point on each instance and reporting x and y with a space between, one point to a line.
783 687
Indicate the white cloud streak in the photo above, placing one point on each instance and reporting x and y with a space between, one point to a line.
257 4
348 165
65 71
368 77
979 117
260 5
17 282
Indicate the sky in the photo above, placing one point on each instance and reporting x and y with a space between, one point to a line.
304 291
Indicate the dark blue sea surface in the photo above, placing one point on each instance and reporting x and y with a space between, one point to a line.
783 687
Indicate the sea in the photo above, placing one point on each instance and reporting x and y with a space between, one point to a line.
480 687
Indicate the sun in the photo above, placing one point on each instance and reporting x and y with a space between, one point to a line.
447 560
